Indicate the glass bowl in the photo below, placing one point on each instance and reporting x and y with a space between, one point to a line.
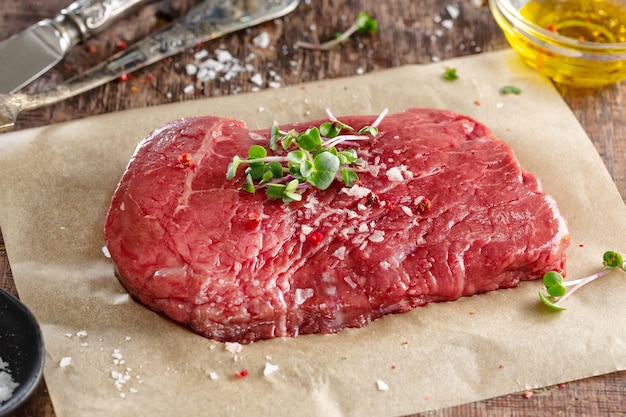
565 59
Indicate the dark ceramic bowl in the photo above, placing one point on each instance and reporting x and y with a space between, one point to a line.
21 346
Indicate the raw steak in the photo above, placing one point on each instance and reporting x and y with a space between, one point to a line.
449 213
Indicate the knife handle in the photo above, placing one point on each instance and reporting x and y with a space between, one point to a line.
85 18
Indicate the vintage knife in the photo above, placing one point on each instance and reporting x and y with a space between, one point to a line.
30 53
207 21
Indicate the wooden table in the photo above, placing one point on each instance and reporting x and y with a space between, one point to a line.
410 32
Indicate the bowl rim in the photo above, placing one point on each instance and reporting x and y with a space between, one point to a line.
26 389
512 14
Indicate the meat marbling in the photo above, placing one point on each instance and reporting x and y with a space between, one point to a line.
235 266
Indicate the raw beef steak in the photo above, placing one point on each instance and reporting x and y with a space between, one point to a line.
445 212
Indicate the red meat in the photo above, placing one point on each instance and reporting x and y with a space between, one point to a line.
449 213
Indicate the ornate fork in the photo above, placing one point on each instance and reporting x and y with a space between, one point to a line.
205 22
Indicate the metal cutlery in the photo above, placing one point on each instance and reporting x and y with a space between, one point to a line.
209 20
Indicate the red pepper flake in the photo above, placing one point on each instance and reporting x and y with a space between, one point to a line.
121 45
393 366
253 221
425 205
552 28
476 103
528 394
185 159
500 366
241 374
134 89
91 49
123 78
581 246
147 80
561 385
315 237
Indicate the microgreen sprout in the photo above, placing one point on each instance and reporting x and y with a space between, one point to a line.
510 89
364 24
556 291
315 162
450 74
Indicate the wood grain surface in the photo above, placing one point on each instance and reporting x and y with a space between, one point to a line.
411 31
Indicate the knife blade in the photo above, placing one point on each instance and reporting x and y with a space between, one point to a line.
28 54
207 21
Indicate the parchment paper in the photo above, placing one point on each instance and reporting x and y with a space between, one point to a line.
55 187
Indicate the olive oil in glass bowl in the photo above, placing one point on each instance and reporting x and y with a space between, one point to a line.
581 43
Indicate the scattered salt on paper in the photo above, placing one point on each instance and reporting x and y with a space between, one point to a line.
7 384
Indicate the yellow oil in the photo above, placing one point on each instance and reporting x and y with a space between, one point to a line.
587 21
599 26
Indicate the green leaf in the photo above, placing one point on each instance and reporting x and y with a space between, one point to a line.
256 152
306 168
310 139
329 130
249 185
450 74
552 278
292 186
275 138
557 290
289 196
369 130
349 154
256 171
296 157
275 168
509 89
366 24
349 177
232 168
325 166
288 139
275 190
612 259
549 303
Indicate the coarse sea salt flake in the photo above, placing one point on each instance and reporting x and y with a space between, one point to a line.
262 40
407 211
257 79
213 376
306 229
453 11
378 236
106 252
382 385
301 295
394 174
270 369
65 361
233 347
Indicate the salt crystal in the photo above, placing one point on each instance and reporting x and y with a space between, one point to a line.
448 23
233 347
65 361
213 376
189 89
269 369
257 79
262 40
394 174
301 295
106 252
200 55
453 11
340 253
360 71
378 236
306 229
223 55
191 69
274 84
407 211
7 384
381 385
